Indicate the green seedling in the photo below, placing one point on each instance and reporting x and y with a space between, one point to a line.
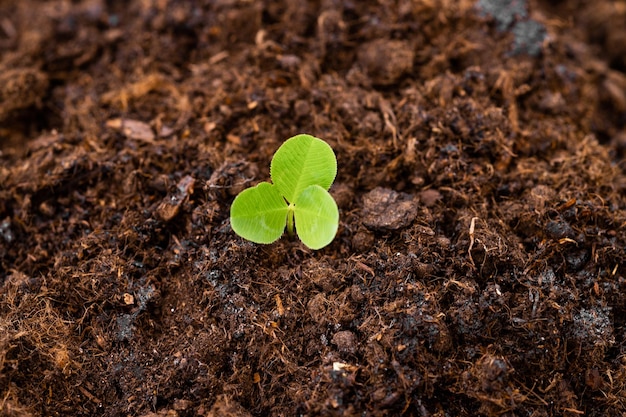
302 171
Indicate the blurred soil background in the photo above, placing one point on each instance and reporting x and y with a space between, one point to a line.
480 263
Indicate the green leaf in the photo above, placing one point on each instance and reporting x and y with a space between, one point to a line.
301 161
317 217
259 214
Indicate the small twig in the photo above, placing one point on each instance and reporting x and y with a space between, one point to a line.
471 235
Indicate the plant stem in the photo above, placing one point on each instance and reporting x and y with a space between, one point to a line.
290 220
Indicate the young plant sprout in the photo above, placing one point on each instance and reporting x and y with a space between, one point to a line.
302 171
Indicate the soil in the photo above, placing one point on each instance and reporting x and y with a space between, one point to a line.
480 264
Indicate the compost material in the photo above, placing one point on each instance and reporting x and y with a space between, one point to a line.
479 268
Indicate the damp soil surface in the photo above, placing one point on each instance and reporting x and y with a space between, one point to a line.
479 268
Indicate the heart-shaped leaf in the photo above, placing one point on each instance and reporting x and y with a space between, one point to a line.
301 161
259 214
316 217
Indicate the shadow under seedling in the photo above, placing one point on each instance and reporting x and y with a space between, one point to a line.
302 171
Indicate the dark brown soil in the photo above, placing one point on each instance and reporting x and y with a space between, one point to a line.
480 263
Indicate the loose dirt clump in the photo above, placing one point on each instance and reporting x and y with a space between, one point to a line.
478 269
